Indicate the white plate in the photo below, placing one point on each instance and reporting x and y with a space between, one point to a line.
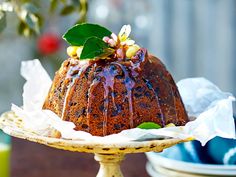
165 172
151 171
158 161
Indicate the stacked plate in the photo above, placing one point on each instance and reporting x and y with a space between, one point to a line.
159 166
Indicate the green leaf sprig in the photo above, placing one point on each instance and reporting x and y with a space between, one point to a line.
149 125
31 16
80 33
90 37
92 41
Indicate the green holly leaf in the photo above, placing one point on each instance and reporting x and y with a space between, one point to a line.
93 47
80 33
149 125
53 5
3 21
23 29
67 10
29 7
32 21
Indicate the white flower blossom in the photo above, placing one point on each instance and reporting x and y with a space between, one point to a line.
124 35
124 32
122 38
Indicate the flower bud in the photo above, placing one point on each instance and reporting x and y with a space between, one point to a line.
170 125
131 51
120 53
105 39
112 42
71 51
114 36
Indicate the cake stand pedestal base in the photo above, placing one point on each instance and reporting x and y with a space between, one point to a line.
109 164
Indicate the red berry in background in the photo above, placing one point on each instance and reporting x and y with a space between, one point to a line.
48 43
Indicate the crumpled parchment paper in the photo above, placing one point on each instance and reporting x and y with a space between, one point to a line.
202 99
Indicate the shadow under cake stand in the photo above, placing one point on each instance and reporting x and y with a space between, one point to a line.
109 155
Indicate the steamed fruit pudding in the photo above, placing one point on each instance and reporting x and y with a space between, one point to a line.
110 84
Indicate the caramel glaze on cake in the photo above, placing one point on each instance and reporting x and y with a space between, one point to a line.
104 97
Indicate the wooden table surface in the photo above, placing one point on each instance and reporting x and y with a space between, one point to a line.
34 160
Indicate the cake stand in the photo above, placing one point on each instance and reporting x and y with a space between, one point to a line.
109 155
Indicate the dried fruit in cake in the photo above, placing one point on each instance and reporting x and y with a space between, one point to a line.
119 86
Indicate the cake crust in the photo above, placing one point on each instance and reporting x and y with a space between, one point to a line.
104 97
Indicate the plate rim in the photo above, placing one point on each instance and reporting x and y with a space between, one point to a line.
196 168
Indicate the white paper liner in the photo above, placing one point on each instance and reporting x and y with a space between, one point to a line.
202 99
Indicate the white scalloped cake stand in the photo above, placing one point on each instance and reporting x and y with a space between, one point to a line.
109 155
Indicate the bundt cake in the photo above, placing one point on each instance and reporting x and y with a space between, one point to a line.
107 95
